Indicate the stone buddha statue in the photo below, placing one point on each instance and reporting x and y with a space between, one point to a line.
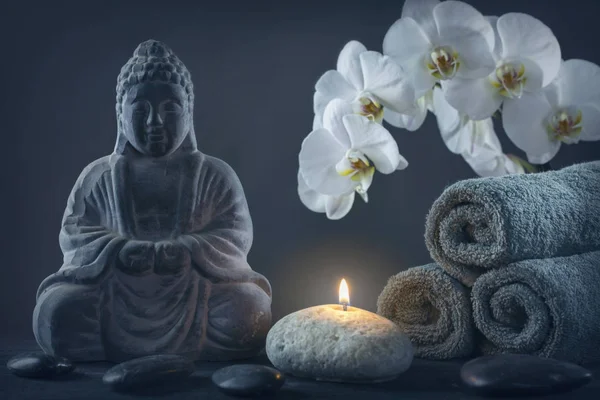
155 238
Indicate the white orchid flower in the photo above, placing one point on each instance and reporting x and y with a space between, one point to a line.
494 164
437 41
458 131
370 81
334 207
527 57
486 157
343 155
475 141
413 120
566 111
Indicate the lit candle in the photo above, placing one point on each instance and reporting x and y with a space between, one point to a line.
337 342
344 294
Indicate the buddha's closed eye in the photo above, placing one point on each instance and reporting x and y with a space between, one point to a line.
140 108
171 107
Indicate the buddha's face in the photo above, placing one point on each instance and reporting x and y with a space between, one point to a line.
156 117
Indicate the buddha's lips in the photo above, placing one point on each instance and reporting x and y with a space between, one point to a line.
156 137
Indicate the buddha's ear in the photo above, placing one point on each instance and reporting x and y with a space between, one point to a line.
190 104
190 109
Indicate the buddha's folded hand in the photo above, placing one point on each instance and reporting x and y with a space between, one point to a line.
136 257
170 257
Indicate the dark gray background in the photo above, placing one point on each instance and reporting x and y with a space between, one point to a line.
254 65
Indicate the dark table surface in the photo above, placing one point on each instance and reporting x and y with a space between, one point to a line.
424 380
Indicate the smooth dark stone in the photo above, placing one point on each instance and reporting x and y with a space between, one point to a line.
143 372
39 365
519 374
248 380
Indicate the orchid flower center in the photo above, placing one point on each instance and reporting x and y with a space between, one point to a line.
443 63
370 108
565 125
358 167
509 79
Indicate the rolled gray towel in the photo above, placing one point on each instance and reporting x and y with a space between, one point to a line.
433 309
485 223
549 308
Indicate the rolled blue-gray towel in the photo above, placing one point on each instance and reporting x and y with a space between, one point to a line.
486 223
433 309
545 307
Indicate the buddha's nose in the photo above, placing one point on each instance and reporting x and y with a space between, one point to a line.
154 119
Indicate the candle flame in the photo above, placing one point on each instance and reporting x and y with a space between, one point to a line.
344 293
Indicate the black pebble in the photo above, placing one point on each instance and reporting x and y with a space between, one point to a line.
151 371
519 374
248 380
39 365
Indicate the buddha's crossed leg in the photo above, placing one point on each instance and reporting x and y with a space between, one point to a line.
66 323
239 318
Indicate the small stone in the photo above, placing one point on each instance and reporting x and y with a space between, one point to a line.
248 380
39 365
147 371
520 374
329 344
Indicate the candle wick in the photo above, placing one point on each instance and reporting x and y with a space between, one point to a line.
345 305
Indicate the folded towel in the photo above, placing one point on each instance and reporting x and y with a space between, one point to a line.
485 223
433 309
549 308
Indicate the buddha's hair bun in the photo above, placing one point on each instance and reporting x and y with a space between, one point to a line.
153 60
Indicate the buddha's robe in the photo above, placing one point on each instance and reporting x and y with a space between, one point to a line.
212 306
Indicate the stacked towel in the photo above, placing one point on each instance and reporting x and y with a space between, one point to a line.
485 223
433 309
529 247
548 307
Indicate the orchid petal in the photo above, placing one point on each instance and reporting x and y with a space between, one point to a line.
348 63
476 98
422 80
485 136
450 15
319 154
333 120
337 207
313 200
375 142
524 36
485 156
534 75
485 166
422 12
590 122
511 166
497 51
467 31
405 42
483 139
499 165
579 83
553 92
317 122
410 122
385 79
461 140
448 118
546 157
524 123
475 56
331 85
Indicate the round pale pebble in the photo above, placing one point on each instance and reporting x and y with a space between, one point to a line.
330 344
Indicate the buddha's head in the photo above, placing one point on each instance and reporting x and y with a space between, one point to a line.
155 101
